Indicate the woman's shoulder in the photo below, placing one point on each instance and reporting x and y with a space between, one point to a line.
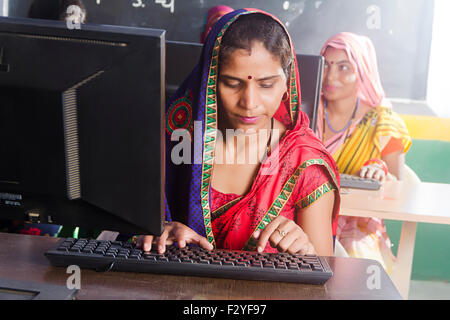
308 153
390 124
387 116
379 111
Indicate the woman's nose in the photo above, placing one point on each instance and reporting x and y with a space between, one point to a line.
249 97
329 73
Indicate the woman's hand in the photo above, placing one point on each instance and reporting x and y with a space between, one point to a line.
373 171
285 235
173 232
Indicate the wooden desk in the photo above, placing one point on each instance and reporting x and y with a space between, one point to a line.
22 258
410 203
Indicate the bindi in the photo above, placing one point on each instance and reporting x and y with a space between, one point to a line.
250 77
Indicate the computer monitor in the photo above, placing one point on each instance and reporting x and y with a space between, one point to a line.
82 125
311 72
182 57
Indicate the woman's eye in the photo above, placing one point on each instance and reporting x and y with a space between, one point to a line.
344 67
232 84
266 85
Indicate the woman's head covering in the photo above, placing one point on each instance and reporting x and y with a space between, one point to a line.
362 56
214 14
194 108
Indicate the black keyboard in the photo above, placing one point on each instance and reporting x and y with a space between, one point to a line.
350 181
191 261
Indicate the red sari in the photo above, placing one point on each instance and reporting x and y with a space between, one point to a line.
297 172
292 177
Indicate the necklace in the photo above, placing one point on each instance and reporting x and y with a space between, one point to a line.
349 121
346 127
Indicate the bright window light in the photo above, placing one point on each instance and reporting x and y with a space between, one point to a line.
439 68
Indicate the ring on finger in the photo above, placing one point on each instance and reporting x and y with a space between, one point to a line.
282 233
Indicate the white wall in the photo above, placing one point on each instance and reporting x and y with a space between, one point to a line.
438 89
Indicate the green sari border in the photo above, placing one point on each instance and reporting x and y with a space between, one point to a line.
313 196
218 212
211 132
286 192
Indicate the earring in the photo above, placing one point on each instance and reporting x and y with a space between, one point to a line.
285 97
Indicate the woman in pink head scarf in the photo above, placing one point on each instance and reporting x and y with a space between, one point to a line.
214 14
365 137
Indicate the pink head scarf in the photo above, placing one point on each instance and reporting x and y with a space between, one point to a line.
214 14
362 56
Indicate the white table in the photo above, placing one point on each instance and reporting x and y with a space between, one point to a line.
406 202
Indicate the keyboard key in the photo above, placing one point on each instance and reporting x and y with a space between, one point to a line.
161 258
304 266
174 259
203 261
292 266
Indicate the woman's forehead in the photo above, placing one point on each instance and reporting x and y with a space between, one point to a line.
256 51
258 60
335 55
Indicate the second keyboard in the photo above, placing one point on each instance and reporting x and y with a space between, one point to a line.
350 181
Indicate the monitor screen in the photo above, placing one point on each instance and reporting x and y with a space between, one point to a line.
311 73
82 125
181 59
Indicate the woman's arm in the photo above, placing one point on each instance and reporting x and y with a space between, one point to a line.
316 222
311 233
395 162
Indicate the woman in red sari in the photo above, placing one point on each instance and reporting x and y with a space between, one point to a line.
287 200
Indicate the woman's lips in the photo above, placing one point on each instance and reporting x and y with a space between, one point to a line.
329 87
249 119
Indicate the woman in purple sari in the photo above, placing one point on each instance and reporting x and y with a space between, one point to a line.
287 200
